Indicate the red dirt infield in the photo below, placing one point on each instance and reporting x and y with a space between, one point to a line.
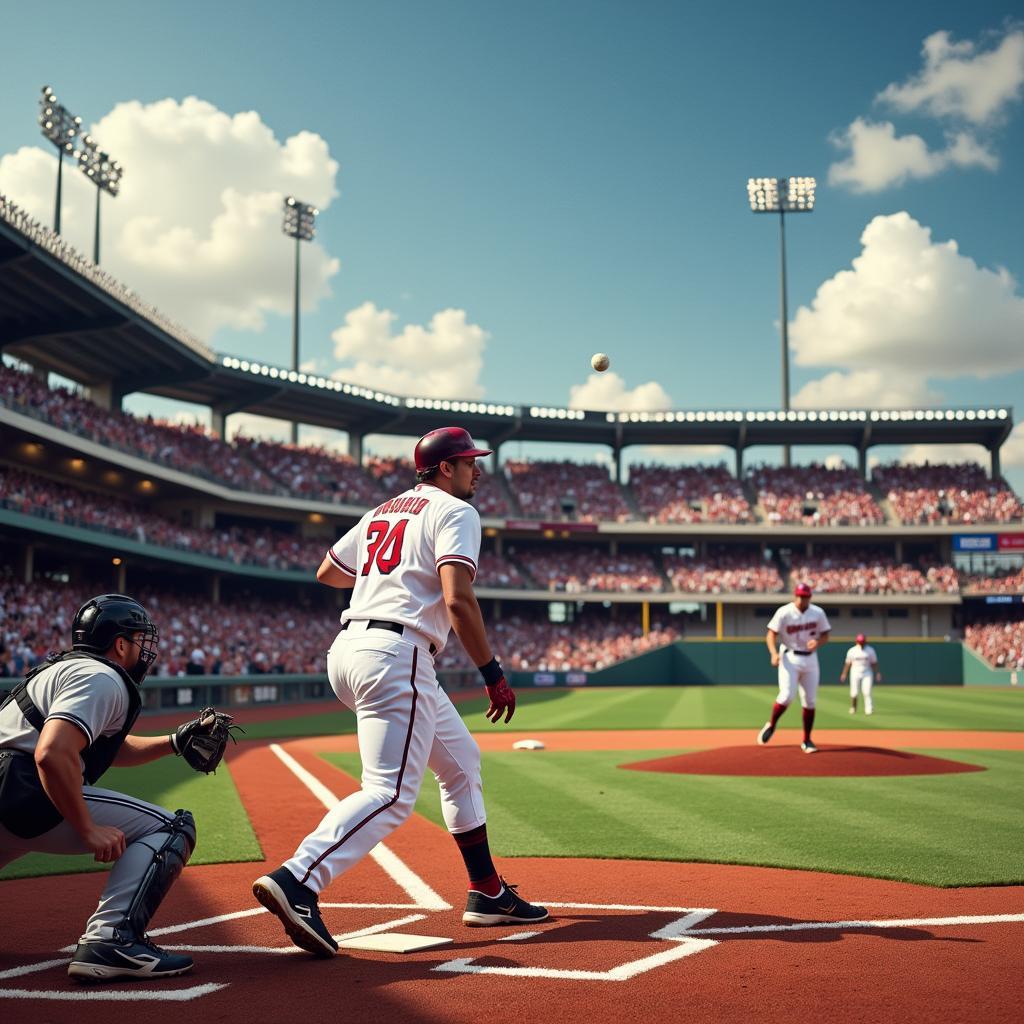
791 761
631 940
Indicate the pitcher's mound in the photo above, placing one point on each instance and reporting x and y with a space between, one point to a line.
791 760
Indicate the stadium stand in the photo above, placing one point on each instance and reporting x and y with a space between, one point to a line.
541 487
577 568
1000 643
869 570
814 496
723 572
930 494
688 494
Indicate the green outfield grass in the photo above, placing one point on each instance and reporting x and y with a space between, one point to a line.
224 832
942 830
706 707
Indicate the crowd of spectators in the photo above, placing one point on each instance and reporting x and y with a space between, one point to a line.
1000 643
497 571
542 489
197 637
190 449
841 570
815 496
311 472
37 496
573 569
999 581
723 572
688 494
931 494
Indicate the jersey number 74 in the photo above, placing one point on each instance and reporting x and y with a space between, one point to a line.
385 545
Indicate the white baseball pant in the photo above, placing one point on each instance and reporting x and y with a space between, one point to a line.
798 671
863 682
405 722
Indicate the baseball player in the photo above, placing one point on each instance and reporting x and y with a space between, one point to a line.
410 563
803 628
69 721
862 664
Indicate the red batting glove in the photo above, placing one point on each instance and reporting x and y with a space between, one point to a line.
502 698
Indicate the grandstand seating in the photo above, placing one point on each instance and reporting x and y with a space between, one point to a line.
541 487
723 572
1000 643
577 568
815 496
869 570
921 495
688 494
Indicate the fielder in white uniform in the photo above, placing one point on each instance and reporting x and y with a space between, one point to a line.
795 633
862 664
410 563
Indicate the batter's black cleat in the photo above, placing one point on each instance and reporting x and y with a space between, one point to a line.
766 733
296 906
508 907
808 747
131 958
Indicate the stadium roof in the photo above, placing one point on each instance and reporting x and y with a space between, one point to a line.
60 312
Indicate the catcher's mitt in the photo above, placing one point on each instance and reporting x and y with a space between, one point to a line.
203 740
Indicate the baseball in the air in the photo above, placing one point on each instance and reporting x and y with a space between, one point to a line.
600 362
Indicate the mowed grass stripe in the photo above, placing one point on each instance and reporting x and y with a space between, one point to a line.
908 828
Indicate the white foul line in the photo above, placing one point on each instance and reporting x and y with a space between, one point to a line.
404 877
907 922
180 995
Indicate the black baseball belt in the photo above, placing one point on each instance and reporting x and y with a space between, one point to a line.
394 627
804 653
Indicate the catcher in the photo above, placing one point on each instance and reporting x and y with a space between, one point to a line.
60 730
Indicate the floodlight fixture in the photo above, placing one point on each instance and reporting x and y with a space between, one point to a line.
62 128
300 224
782 196
105 173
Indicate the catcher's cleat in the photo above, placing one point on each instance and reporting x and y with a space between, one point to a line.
508 907
296 906
136 958
766 733
808 747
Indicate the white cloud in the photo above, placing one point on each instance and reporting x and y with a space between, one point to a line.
608 392
440 360
865 389
958 80
919 454
879 158
196 229
911 308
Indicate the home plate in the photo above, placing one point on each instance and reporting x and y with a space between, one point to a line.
396 942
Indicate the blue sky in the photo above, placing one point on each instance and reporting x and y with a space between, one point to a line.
571 176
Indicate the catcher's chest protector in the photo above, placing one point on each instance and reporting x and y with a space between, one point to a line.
25 809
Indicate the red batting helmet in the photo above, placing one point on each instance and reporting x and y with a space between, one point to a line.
445 443
861 638
802 590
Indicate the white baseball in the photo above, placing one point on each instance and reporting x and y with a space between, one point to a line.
600 362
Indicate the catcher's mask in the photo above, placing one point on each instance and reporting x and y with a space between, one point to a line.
102 619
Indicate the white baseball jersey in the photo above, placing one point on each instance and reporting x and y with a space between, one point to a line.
862 660
795 627
396 551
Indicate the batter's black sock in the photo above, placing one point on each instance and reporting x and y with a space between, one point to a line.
808 723
777 710
483 876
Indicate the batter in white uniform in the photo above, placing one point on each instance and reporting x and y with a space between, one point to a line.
862 664
410 563
795 633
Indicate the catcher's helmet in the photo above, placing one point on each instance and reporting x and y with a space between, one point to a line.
445 443
102 619
802 590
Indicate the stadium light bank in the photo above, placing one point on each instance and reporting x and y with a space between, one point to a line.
60 127
782 196
105 173
300 224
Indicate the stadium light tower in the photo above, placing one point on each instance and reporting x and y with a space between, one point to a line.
300 224
105 174
61 127
782 196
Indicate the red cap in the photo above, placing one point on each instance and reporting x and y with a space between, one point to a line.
802 590
861 638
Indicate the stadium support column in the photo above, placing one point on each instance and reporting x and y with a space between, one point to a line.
719 621
215 588
996 468
218 421
107 395
122 577
355 448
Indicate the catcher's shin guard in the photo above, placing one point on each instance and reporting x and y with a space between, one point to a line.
168 862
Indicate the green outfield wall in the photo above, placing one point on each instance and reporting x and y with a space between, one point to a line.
725 662
977 672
